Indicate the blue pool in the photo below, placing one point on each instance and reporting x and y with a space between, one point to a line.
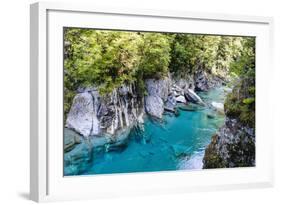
175 143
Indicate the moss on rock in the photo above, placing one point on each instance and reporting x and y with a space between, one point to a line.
212 158
234 144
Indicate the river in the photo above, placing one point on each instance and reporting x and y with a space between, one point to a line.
175 143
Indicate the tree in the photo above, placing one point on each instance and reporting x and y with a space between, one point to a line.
108 59
155 55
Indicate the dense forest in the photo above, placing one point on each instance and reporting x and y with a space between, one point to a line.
108 59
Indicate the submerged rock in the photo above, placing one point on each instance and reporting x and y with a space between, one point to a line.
78 159
191 107
210 116
180 150
71 139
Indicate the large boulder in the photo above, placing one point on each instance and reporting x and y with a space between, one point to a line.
78 159
154 106
191 96
158 92
80 116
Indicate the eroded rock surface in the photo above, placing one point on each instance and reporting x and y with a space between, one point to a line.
157 93
92 114
232 146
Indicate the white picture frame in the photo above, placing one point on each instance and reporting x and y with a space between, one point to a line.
46 177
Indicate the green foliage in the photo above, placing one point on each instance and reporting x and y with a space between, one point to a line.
248 101
155 55
189 51
103 58
215 54
108 59
245 62
99 58
240 104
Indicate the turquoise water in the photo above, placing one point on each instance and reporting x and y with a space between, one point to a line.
175 143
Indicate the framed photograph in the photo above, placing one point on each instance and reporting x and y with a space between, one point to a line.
127 101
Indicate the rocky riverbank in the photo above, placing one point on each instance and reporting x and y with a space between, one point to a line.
103 122
234 143
93 114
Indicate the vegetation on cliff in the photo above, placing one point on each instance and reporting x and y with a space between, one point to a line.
240 103
234 144
108 59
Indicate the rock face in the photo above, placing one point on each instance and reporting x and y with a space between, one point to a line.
171 103
201 81
187 82
92 114
98 122
158 91
160 88
232 146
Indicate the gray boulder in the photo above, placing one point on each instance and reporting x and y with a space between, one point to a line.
80 116
154 106
158 92
191 96
170 103
181 99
